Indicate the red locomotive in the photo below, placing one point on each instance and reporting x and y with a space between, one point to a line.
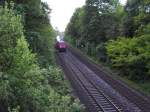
61 46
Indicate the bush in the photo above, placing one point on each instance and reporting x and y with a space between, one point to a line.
131 56
57 80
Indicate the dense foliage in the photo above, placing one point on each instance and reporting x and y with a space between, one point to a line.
131 56
95 23
28 81
114 34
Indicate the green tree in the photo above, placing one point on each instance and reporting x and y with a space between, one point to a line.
24 86
94 24
75 27
11 30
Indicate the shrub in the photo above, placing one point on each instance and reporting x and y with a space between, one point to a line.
57 80
130 56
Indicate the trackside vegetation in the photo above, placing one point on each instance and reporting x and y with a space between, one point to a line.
30 81
117 36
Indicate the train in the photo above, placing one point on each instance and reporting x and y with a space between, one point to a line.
61 46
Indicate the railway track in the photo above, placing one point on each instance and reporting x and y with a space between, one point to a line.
137 98
94 92
100 102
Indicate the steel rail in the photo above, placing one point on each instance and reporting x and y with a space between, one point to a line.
114 106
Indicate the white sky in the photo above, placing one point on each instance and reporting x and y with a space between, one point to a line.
62 10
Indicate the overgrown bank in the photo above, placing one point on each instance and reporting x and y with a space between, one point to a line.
115 35
29 79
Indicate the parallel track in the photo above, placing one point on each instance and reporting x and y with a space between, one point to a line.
138 99
96 100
